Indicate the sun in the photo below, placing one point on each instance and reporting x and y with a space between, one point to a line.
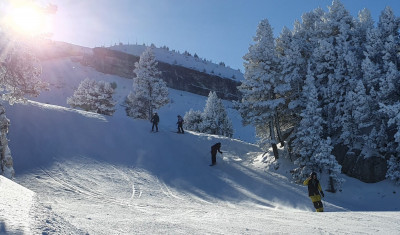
26 19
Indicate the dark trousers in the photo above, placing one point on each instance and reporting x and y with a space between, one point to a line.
180 129
213 158
318 206
156 125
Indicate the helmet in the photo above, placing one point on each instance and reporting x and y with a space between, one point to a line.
313 173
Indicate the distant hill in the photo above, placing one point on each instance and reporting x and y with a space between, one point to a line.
180 71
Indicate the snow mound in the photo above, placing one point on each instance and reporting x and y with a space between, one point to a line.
22 213
15 204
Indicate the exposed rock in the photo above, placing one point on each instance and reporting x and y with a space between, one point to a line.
177 77
370 170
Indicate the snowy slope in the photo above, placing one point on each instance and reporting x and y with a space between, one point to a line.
185 60
110 175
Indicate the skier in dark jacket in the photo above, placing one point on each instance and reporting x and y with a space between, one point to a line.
155 120
214 149
315 191
180 124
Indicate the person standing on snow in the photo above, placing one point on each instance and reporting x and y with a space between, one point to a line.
180 124
315 191
216 147
155 120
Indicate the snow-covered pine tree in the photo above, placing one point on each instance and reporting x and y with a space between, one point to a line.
338 36
5 154
150 92
93 96
363 26
356 118
393 112
193 120
309 132
293 73
326 162
315 153
20 76
215 118
259 101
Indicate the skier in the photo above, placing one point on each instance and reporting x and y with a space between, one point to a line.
315 191
155 120
216 147
180 124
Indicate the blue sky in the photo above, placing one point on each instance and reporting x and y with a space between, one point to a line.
218 30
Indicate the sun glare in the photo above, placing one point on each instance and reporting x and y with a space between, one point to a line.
26 20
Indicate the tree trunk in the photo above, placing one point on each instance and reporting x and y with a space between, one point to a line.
273 140
331 184
278 131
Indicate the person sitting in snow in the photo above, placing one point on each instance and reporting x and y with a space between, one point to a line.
155 120
180 124
315 191
216 147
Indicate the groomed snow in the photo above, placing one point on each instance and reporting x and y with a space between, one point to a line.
110 175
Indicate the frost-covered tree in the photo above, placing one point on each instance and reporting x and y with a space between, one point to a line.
293 71
356 117
326 162
215 119
93 96
309 132
193 120
5 154
20 76
315 152
393 111
150 92
259 99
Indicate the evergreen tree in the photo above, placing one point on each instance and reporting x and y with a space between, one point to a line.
293 72
315 153
259 101
93 96
309 132
5 154
193 120
393 111
215 119
20 76
150 92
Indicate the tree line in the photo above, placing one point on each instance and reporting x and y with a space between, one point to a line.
332 80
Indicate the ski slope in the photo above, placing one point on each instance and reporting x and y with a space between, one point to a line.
82 173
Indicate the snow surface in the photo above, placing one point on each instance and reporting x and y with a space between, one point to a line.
185 60
87 173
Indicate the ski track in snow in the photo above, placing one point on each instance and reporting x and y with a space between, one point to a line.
104 175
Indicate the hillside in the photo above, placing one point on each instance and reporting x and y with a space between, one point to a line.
110 175
184 59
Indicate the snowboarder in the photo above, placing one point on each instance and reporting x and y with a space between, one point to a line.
155 120
180 124
315 191
216 147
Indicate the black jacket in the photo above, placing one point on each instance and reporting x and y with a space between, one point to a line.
155 119
216 147
313 187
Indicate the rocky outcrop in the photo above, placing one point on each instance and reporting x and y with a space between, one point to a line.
370 170
177 77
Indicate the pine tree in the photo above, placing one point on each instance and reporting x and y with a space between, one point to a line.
259 101
215 119
315 153
93 96
150 92
193 120
309 132
20 76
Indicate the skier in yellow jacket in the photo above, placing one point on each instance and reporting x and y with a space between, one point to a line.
315 191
